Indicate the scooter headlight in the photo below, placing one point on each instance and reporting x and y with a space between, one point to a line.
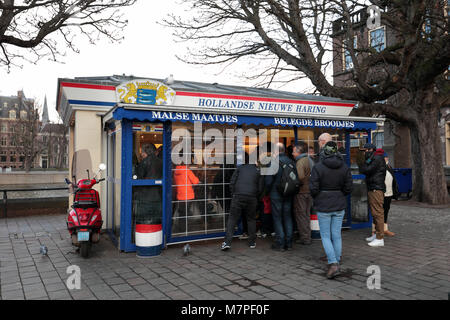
93 218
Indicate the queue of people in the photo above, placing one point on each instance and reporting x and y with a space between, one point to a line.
322 186
299 186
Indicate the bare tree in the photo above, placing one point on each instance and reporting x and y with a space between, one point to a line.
54 144
42 26
291 39
26 133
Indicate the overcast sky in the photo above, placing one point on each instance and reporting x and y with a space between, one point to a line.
148 50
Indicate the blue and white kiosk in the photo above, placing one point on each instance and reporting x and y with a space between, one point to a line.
197 118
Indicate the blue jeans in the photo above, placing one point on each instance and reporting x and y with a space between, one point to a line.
330 224
282 221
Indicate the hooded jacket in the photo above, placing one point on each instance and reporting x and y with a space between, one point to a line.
184 178
330 183
374 168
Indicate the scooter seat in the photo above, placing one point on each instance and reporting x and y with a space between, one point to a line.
84 204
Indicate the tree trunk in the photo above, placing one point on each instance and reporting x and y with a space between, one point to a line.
429 184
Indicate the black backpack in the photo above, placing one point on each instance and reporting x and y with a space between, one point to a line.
289 184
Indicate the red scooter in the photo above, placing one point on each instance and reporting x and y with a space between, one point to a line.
84 221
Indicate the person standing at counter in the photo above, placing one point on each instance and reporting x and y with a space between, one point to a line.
330 183
147 199
374 168
184 178
281 206
246 186
303 200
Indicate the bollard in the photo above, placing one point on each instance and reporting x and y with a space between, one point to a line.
315 230
148 240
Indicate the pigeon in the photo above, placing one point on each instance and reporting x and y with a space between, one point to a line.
43 250
186 249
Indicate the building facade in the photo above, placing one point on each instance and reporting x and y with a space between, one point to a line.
22 132
394 138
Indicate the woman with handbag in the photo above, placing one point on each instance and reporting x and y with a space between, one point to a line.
391 192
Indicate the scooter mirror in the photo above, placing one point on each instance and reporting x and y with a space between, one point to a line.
102 166
67 181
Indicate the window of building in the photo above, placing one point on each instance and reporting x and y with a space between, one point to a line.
23 115
44 162
4 141
2 158
378 138
12 114
348 62
5 104
377 38
4 127
13 159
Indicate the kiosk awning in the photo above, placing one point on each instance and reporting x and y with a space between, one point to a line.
350 123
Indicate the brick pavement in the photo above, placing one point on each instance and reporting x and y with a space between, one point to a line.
414 265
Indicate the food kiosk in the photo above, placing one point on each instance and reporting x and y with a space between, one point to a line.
116 119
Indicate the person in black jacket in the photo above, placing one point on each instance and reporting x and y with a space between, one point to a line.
374 168
246 186
148 199
330 183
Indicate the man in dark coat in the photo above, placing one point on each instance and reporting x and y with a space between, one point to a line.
374 168
281 207
148 199
330 183
246 186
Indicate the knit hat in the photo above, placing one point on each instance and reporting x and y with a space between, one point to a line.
369 146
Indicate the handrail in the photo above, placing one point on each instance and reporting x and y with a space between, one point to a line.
6 190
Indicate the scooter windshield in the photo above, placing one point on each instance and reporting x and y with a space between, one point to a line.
81 162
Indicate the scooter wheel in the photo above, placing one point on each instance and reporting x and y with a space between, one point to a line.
84 249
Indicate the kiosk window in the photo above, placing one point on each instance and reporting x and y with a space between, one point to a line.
200 184
147 151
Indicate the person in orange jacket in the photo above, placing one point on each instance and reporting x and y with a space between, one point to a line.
184 178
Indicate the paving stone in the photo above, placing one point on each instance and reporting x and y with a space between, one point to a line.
211 287
414 265
121 287
59 295
13 295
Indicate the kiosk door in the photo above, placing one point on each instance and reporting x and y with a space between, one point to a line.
143 183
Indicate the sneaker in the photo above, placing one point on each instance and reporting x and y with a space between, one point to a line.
377 243
243 236
371 238
273 234
259 234
264 235
252 245
225 246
